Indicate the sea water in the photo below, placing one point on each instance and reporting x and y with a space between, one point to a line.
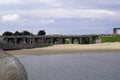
96 66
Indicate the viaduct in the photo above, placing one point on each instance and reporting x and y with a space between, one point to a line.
18 42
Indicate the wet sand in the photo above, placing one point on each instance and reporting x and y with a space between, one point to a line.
69 48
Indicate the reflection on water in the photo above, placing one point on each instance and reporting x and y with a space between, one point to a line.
73 66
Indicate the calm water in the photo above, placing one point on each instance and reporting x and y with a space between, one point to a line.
73 66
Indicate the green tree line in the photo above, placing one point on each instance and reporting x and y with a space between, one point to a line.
23 33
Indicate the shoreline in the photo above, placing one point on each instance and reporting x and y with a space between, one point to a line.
69 49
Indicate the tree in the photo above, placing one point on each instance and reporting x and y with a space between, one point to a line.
67 41
17 33
7 33
75 41
41 32
26 33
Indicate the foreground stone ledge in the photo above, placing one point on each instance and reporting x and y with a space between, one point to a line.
11 68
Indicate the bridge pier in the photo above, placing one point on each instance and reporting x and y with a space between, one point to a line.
51 41
90 38
80 40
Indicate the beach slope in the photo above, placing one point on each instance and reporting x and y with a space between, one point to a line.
69 48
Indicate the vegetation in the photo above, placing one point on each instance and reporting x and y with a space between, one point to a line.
58 40
67 41
17 33
7 33
75 41
41 32
26 33
110 39
86 40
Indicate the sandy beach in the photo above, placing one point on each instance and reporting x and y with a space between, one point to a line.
69 48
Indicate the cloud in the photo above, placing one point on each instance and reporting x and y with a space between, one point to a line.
6 2
71 13
66 13
10 17
45 2
45 21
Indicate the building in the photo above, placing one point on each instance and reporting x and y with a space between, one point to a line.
116 31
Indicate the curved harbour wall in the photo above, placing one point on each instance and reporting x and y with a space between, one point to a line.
11 68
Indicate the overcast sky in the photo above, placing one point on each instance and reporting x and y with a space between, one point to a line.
60 16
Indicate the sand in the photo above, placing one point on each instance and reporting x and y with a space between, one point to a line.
69 48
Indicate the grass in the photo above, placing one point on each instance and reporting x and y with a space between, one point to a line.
110 39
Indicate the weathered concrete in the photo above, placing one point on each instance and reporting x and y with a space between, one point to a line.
11 68
20 42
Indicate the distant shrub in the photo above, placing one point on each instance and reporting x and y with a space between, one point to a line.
67 41
75 41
